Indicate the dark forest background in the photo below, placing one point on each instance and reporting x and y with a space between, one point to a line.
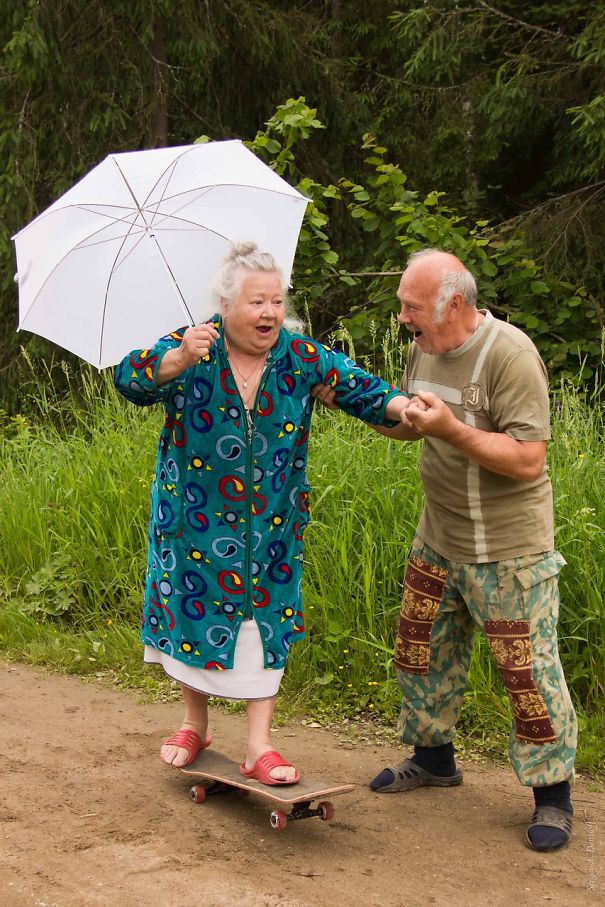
472 125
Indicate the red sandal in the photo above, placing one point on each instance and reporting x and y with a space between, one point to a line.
188 740
261 769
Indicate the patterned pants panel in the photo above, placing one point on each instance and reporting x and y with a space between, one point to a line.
515 603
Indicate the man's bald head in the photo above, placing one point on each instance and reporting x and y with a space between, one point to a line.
443 275
435 261
438 297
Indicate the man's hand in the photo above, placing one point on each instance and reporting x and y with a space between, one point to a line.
325 394
429 415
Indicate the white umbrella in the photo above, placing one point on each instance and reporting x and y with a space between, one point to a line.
130 252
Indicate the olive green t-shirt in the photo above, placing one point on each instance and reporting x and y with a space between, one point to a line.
495 381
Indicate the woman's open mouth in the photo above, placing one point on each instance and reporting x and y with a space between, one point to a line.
264 329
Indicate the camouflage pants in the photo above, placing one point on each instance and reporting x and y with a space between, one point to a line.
516 604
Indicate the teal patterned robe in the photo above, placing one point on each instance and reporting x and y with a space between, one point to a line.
229 503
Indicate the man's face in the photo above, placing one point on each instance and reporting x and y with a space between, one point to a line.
417 292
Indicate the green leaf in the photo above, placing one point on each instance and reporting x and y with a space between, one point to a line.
330 257
539 287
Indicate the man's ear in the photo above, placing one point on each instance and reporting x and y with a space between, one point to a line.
456 303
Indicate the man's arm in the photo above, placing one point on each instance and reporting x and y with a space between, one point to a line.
495 451
401 432
394 411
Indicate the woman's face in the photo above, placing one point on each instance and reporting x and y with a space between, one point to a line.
253 320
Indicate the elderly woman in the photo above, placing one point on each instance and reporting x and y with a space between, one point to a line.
229 502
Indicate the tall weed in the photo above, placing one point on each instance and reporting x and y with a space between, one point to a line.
74 499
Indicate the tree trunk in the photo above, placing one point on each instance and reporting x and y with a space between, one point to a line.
158 137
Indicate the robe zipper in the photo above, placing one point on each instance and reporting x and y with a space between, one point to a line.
248 607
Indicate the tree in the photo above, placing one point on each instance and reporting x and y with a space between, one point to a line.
501 106
513 122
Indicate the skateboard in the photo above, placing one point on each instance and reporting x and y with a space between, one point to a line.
222 775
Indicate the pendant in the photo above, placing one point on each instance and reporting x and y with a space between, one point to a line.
245 385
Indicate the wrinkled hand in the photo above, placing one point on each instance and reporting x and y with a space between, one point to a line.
197 342
428 415
325 394
398 408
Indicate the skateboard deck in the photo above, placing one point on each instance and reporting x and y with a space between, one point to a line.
222 774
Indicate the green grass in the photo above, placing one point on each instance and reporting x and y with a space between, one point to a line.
74 501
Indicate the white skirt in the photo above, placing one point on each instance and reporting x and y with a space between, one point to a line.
248 679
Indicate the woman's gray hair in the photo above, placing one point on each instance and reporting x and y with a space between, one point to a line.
452 282
244 259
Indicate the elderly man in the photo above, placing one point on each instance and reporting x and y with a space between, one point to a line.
483 555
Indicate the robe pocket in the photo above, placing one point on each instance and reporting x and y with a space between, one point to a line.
166 510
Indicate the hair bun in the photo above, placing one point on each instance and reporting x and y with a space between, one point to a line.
241 250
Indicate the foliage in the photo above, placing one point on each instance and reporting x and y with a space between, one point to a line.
518 91
511 281
499 108
49 591
75 501
291 124
509 113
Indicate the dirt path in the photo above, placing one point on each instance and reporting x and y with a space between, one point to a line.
89 816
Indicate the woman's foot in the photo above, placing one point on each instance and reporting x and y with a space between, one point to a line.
269 767
260 715
183 747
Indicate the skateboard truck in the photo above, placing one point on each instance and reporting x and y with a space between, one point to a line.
278 818
222 775
324 810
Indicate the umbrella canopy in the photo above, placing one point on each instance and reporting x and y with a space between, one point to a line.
130 252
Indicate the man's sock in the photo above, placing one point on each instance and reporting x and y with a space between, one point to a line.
438 760
542 836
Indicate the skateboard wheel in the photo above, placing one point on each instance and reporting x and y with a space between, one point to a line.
326 810
278 820
242 792
198 793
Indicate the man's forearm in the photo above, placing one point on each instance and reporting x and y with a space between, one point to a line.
498 452
400 432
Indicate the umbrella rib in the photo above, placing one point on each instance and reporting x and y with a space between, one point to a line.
172 168
160 252
62 259
81 205
191 223
110 275
171 165
204 189
155 205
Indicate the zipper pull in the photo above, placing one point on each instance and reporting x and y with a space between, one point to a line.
250 425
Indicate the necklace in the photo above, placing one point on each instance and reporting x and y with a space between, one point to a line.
245 379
